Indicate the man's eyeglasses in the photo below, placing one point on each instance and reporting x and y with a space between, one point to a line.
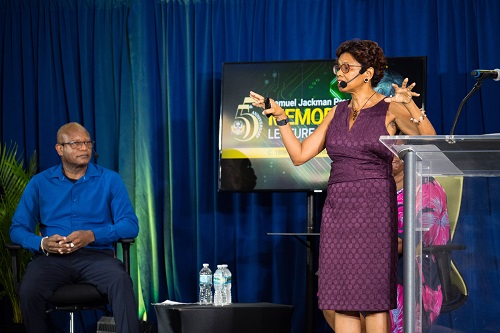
78 144
345 68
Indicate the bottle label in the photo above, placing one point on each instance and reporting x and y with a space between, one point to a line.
205 278
219 280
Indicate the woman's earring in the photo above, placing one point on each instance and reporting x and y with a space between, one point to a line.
366 80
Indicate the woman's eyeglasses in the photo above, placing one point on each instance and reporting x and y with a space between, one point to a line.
345 68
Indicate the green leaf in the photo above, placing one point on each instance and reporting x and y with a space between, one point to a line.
14 176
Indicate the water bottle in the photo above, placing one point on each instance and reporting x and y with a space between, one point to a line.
205 281
219 287
228 276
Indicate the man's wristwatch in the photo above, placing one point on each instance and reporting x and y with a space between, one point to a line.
283 122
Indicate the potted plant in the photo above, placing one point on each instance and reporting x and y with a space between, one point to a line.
14 177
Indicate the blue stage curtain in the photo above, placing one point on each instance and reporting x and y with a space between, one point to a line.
144 77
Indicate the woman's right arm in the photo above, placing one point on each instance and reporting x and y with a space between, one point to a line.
299 152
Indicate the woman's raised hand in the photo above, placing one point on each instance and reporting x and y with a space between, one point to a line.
403 94
275 110
258 100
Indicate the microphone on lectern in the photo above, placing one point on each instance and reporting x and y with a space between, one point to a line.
481 74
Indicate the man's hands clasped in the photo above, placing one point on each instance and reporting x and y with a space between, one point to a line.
68 244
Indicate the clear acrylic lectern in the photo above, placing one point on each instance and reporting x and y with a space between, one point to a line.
469 265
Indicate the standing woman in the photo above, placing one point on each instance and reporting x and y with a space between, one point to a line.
358 243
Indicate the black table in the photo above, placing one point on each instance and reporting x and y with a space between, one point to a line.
233 318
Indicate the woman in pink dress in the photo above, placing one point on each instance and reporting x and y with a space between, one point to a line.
433 211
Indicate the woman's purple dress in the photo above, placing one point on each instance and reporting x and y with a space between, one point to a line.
358 244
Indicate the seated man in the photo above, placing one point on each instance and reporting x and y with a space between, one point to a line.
81 209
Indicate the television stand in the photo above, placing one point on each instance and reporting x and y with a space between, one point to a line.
310 244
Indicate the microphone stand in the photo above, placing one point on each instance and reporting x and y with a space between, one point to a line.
473 90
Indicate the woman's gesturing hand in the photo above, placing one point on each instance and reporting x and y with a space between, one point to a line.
275 110
403 94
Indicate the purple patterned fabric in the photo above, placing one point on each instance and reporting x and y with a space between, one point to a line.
435 220
358 243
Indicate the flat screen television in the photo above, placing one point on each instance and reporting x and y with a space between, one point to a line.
252 156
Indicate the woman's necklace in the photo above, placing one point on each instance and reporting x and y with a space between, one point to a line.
356 112
399 184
